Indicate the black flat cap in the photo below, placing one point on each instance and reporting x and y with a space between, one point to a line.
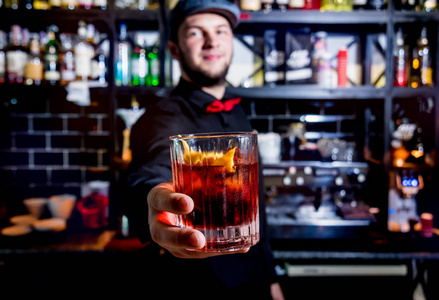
186 8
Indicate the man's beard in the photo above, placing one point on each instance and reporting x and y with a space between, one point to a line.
203 78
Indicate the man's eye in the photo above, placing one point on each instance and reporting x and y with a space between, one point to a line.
193 33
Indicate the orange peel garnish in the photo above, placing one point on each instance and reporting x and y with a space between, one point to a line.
210 158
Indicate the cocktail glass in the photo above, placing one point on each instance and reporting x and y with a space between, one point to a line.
219 171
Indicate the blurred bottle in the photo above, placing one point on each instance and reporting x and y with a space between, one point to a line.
250 4
67 59
153 4
152 78
139 60
33 72
102 4
13 4
359 4
267 5
377 4
3 44
325 72
311 4
343 5
422 71
41 4
429 5
55 4
51 57
100 62
69 4
282 5
342 66
83 54
327 5
296 4
85 4
16 56
27 4
404 5
122 57
320 47
401 61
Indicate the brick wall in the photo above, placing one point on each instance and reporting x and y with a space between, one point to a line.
50 145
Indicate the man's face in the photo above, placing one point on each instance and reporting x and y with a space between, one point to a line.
205 48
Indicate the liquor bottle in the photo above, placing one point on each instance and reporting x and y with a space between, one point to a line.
85 4
342 65
28 4
3 44
343 5
55 4
122 56
102 4
51 57
377 4
153 4
13 4
429 5
41 4
139 60
16 56
250 4
69 4
424 53
99 61
67 59
312 4
33 71
267 5
327 5
401 61
319 47
83 54
296 4
359 4
282 5
152 78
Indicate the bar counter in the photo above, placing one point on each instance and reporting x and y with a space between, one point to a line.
106 258
370 244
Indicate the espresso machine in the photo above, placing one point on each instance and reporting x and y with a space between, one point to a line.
402 210
315 199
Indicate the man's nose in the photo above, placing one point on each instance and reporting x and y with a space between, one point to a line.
211 39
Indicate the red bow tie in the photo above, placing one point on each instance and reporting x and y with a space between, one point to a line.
218 106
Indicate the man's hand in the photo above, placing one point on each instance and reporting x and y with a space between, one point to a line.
164 204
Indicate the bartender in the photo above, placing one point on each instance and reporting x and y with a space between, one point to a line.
201 39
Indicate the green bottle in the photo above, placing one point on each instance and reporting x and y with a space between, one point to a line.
139 61
152 78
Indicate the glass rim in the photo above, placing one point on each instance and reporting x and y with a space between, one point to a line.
212 135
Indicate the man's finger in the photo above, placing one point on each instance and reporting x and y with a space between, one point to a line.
175 237
163 198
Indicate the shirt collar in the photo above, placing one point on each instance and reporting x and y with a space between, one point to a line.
194 94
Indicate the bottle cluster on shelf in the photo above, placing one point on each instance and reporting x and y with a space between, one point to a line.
336 5
137 58
413 63
416 5
136 4
296 57
53 4
53 57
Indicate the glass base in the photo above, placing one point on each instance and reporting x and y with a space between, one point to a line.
229 239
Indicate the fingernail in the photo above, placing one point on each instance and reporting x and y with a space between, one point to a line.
183 204
194 240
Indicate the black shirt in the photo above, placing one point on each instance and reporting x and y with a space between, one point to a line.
181 113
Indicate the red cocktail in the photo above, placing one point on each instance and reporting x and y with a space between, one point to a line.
223 182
